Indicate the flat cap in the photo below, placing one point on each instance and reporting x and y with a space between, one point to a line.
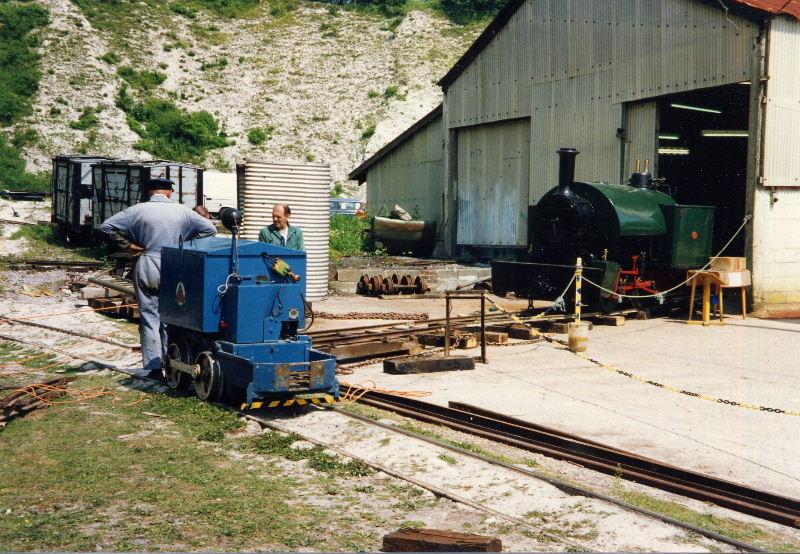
159 184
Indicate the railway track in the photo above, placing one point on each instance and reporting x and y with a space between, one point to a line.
53 264
595 456
437 414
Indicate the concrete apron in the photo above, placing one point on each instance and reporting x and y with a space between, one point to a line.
752 361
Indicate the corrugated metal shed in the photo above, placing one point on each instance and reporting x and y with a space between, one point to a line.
411 175
306 189
751 9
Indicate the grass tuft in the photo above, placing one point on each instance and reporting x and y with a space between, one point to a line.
278 444
347 236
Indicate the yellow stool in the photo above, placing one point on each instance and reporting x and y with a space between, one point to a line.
718 279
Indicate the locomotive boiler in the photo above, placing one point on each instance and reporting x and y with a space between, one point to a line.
633 239
235 311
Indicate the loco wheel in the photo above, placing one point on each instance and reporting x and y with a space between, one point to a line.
388 285
177 379
208 385
422 286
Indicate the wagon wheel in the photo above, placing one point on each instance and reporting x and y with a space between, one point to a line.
379 285
422 286
374 286
208 385
181 352
403 282
388 285
395 279
363 285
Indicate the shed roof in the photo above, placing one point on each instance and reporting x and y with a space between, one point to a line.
360 173
752 9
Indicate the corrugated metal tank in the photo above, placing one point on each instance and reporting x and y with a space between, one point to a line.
306 189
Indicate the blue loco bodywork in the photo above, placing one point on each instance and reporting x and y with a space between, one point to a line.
246 314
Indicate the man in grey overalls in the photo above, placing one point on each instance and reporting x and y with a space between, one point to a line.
143 229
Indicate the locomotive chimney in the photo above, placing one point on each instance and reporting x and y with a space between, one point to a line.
566 170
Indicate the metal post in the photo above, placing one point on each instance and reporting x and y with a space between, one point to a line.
447 323
578 274
483 327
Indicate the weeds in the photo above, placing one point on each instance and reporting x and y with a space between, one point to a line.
87 120
283 8
259 135
143 80
19 60
45 241
111 58
347 236
13 174
367 133
277 444
170 132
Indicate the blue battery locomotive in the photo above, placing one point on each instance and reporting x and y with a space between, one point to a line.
234 311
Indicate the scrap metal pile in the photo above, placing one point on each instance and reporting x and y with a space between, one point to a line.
378 285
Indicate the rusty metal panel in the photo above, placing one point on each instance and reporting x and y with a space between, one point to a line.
492 182
306 189
641 119
412 175
662 47
782 112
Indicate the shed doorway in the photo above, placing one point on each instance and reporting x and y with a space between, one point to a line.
702 154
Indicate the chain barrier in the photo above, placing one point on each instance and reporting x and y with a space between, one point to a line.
638 378
660 296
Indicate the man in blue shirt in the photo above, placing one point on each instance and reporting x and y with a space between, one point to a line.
143 229
280 233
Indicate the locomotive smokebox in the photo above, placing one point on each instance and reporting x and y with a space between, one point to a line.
566 170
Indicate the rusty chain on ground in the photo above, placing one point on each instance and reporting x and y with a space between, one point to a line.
375 315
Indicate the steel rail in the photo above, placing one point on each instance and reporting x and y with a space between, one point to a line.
553 443
57 263
564 486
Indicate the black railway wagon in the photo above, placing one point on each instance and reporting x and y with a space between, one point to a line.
73 193
89 189
118 184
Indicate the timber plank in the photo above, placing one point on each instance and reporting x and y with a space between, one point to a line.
429 364
436 540
372 348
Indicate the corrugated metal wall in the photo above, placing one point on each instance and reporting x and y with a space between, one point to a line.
306 189
493 166
641 119
570 64
411 175
782 112
667 46
575 113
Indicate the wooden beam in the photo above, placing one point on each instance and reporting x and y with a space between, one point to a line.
612 320
436 540
496 337
515 331
369 349
458 339
429 364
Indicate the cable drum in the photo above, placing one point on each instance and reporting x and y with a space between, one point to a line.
306 189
